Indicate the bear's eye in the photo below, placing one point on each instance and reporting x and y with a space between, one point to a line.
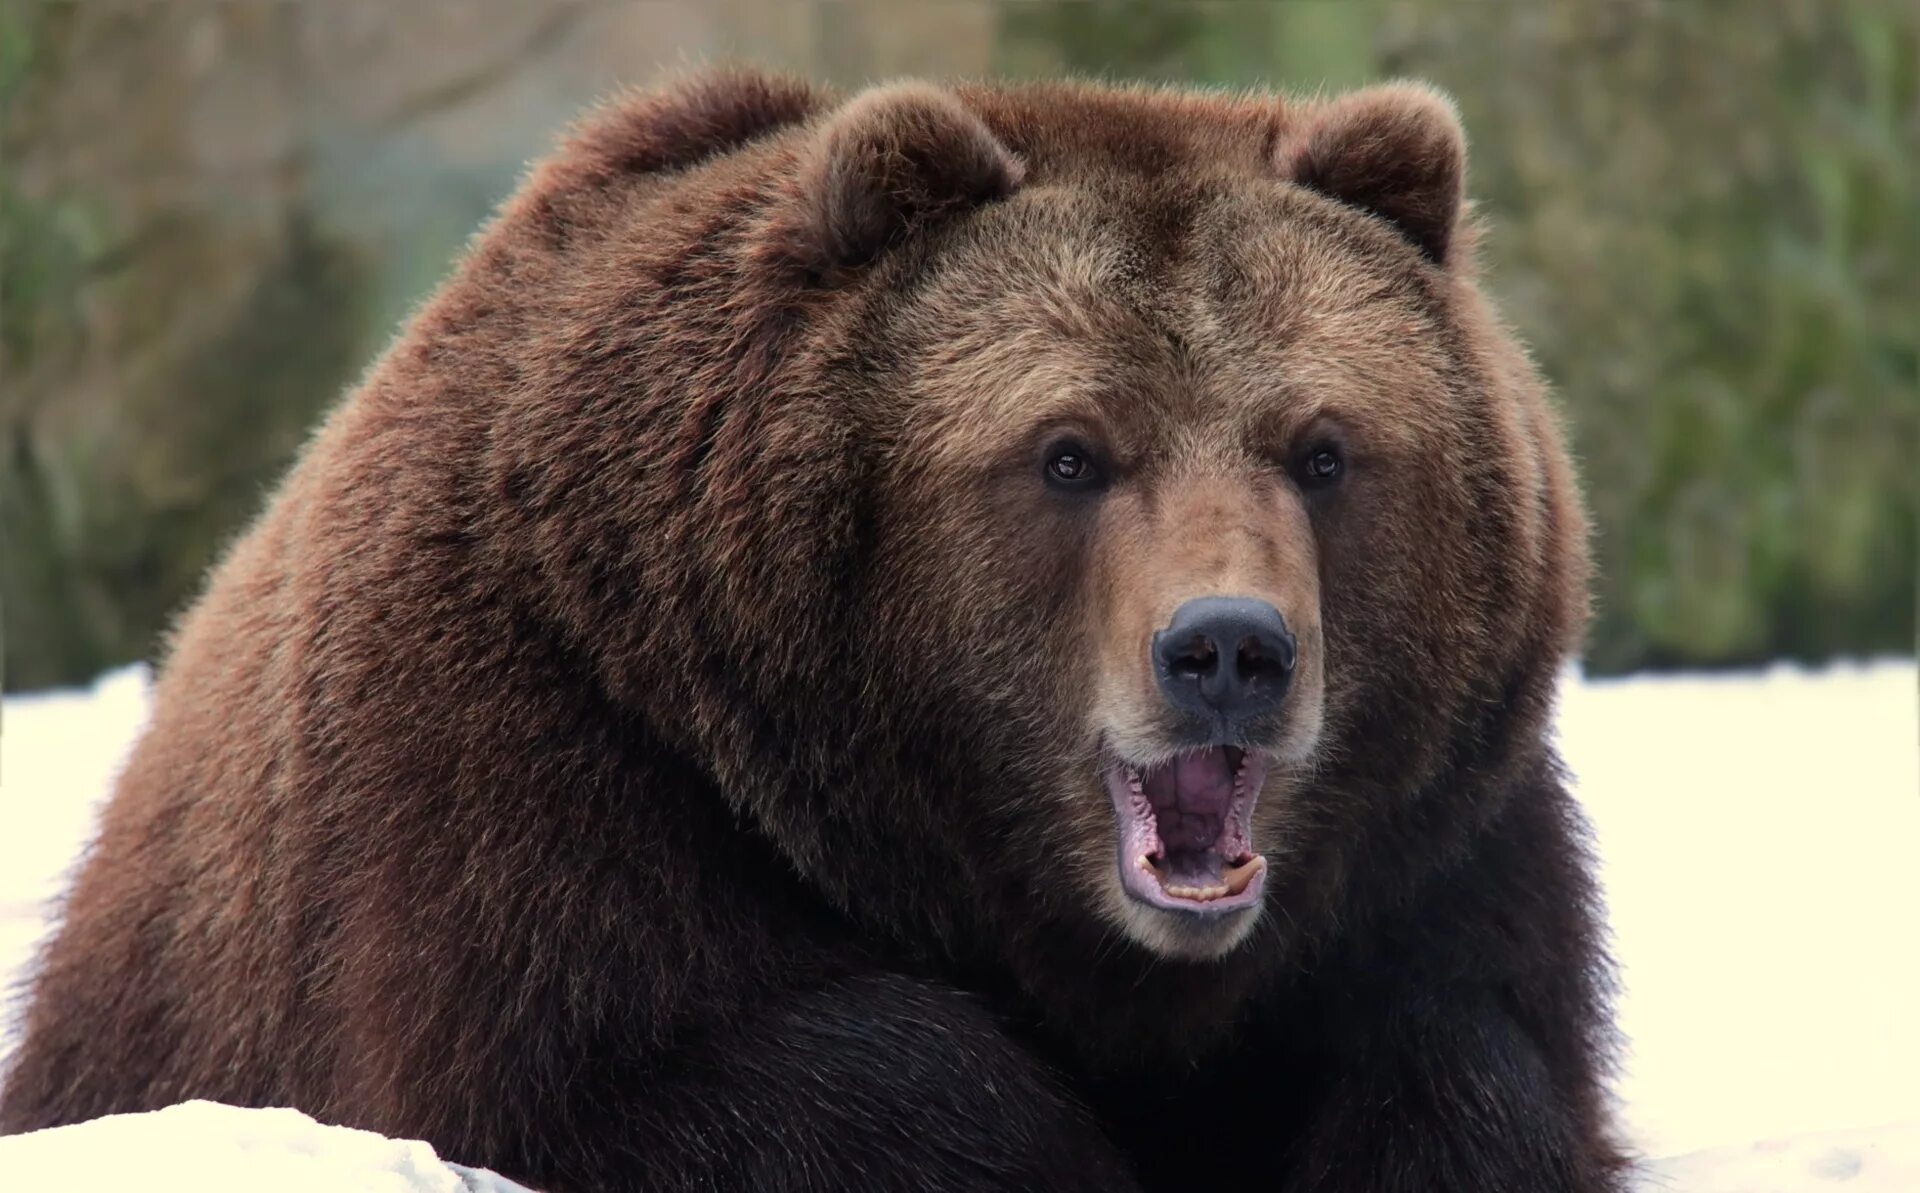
1322 465
1070 466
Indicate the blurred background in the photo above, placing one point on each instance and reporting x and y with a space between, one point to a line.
1703 217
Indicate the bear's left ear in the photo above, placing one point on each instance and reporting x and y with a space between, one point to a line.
893 160
1396 151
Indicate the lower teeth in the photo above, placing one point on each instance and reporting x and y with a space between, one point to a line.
1239 877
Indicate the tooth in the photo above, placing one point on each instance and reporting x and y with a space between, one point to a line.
1196 892
1241 876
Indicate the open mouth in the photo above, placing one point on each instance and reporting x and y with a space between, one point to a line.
1185 830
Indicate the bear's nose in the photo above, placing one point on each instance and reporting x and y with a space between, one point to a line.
1224 658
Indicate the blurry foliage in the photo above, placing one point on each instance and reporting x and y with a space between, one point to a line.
1703 217
163 360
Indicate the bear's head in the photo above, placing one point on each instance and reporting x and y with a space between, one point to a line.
1053 512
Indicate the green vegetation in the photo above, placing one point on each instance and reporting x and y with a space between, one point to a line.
1704 217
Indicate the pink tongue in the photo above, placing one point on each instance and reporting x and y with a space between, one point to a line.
1205 781
1190 799
1201 868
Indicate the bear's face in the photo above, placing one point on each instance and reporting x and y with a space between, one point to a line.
1056 507
1191 487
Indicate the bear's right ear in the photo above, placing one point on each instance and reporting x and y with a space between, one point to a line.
894 160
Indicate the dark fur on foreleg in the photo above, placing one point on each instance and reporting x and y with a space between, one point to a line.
875 1083
1448 1099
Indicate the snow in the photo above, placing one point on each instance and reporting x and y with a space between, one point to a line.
1757 835
210 1148
1758 840
59 753
1883 1160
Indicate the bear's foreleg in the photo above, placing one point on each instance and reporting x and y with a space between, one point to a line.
1450 1098
880 1082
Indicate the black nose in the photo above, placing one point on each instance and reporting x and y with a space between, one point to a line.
1224 658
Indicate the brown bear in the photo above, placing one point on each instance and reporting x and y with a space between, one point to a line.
953 638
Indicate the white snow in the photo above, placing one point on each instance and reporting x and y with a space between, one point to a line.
210 1148
1760 844
1882 1160
59 754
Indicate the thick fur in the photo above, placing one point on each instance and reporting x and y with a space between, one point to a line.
1396 151
652 739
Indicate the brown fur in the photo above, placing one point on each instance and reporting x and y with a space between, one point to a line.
652 739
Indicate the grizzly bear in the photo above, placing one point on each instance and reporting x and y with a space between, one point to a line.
975 637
